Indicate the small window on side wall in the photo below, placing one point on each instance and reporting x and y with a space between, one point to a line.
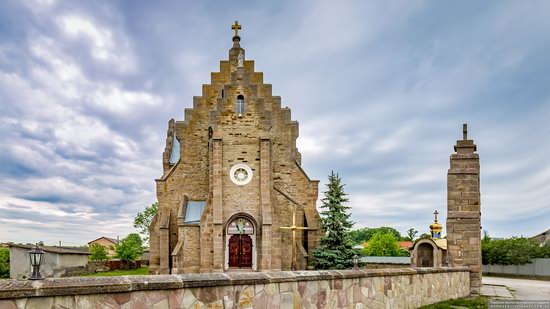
240 105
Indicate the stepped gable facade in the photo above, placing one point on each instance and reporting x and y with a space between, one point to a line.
232 177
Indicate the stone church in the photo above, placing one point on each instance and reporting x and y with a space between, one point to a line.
232 178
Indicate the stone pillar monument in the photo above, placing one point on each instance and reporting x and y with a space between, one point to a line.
464 210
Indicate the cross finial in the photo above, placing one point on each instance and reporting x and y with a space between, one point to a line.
436 213
236 27
465 131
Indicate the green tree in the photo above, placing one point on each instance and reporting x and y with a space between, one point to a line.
130 248
511 251
336 247
383 244
424 236
359 236
98 253
143 220
4 263
363 235
411 234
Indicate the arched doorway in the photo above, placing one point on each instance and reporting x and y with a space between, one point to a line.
240 247
425 255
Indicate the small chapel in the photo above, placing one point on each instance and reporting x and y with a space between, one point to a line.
233 195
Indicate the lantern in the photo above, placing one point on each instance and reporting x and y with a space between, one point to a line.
35 255
355 261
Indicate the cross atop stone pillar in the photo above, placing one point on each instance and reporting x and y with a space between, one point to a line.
464 210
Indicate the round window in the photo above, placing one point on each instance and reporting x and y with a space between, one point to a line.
240 174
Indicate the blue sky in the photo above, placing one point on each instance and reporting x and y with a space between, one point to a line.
380 89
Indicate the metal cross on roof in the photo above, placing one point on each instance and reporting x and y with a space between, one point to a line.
436 213
236 27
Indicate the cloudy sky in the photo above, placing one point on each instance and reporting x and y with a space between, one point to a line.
380 89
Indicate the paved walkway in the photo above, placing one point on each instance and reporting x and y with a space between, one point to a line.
496 291
522 289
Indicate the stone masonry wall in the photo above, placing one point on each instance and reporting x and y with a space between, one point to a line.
464 210
388 288
213 138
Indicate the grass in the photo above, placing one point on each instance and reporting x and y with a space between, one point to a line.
129 272
475 302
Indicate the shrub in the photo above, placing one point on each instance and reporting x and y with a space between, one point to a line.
4 263
98 253
130 248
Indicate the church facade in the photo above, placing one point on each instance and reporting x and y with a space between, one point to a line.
232 177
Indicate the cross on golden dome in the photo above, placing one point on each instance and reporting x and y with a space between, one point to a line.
436 213
236 27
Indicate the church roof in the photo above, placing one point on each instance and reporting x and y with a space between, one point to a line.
542 238
441 243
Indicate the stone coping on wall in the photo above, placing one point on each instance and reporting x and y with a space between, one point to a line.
11 288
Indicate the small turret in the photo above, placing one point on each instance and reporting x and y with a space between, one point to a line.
436 228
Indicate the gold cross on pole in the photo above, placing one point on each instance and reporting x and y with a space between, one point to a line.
236 27
294 228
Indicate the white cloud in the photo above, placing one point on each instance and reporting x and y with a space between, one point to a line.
115 99
380 90
104 47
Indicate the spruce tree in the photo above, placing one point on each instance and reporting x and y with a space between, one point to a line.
335 250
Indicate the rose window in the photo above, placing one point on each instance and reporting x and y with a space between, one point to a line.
240 174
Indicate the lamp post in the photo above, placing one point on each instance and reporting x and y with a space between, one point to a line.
35 255
355 261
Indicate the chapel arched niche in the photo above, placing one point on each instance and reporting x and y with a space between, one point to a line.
425 255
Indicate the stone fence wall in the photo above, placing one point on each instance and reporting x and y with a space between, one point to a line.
376 262
537 267
386 265
388 288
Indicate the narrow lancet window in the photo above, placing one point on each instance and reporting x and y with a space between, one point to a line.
240 105
175 154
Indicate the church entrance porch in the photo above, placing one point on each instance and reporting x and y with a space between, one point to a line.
240 243
240 251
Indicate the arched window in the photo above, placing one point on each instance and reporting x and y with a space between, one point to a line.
240 105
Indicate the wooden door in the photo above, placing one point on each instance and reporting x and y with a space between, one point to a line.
246 251
234 251
240 251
